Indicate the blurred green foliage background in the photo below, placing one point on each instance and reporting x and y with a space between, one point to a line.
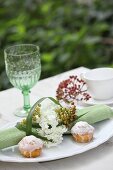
70 33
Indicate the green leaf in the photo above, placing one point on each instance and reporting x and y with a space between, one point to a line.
33 132
47 57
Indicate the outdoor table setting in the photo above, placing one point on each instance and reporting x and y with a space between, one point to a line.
66 122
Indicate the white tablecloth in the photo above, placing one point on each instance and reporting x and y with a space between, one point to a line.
95 159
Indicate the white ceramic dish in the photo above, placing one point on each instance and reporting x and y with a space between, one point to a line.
103 131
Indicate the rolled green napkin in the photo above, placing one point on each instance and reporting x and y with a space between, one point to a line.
94 114
12 136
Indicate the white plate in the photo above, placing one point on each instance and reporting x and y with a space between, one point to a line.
103 131
92 101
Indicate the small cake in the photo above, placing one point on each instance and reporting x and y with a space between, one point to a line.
30 146
82 132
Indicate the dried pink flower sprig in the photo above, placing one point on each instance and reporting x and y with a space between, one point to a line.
72 89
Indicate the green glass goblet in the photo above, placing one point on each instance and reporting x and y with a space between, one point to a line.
23 69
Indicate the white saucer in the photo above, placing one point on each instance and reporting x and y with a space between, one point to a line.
92 101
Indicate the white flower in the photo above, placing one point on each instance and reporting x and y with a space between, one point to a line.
56 136
49 124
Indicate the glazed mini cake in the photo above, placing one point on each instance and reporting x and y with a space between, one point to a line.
82 132
30 146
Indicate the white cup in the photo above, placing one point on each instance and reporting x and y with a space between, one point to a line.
99 82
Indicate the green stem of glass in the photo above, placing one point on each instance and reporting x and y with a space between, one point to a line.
26 100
